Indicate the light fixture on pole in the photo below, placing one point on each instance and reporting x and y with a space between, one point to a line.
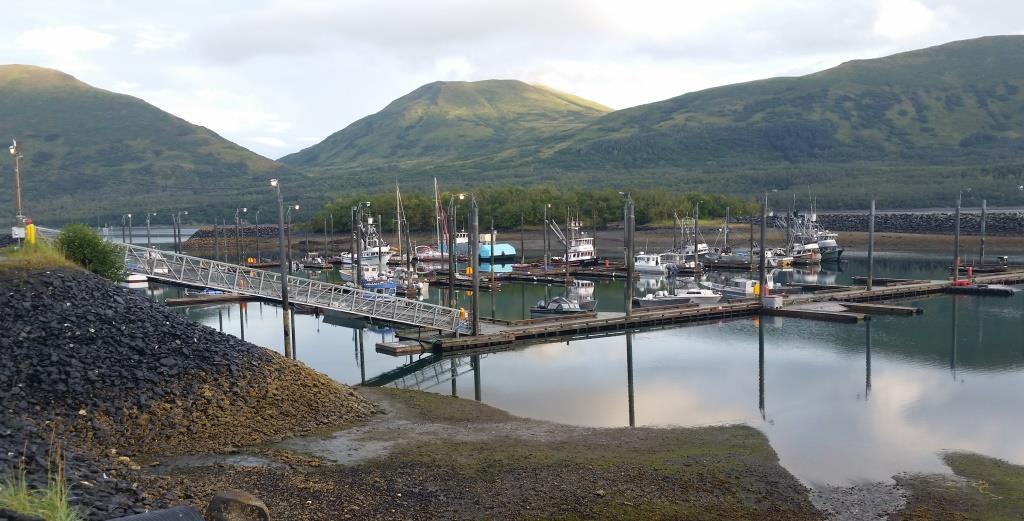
286 319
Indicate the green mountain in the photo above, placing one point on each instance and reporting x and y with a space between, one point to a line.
91 154
444 123
909 129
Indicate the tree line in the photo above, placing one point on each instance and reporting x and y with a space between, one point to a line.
509 207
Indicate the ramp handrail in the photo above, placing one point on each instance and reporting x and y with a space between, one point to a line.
196 271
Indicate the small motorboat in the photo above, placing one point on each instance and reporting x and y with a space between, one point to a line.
557 306
680 297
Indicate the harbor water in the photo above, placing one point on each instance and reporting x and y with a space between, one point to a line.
840 403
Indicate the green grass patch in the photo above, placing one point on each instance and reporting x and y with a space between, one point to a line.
990 490
50 503
38 256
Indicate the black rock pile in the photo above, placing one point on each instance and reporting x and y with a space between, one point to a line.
205 236
116 378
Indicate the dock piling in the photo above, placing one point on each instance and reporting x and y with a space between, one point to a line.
871 247
763 280
474 261
984 218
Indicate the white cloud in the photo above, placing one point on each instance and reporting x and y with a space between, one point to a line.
269 141
154 38
63 47
904 18
299 70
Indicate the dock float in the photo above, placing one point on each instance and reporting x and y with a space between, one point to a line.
995 290
199 300
881 309
818 314
401 347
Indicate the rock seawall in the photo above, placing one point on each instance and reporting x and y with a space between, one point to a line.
1001 223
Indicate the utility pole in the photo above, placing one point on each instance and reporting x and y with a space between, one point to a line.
286 318
871 247
474 261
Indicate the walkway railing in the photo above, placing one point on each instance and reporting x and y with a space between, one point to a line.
195 271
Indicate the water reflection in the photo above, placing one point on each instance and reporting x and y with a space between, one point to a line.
848 401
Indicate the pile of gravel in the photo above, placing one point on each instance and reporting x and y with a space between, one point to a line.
116 378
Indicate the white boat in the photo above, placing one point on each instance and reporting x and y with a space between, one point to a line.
370 273
679 297
649 263
557 306
428 253
737 288
581 246
375 250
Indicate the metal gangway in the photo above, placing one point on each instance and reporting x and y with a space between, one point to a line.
206 273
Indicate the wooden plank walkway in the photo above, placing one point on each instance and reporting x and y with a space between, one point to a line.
840 304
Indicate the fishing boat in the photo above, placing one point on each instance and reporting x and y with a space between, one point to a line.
428 253
370 272
374 249
649 263
557 306
678 297
313 261
579 246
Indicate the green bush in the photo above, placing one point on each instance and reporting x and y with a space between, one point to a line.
84 246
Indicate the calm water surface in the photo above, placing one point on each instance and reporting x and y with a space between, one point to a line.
839 402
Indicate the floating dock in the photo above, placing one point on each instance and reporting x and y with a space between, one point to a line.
200 300
845 304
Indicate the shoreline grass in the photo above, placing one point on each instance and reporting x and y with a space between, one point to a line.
37 256
49 503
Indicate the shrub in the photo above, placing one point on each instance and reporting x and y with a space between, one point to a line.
84 246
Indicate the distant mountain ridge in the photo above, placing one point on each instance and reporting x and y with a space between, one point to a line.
90 153
453 121
907 129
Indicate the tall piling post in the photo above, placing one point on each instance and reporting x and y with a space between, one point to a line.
956 239
452 301
546 243
871 247
630 255
474 261
696 234
763 279
984 219
286 319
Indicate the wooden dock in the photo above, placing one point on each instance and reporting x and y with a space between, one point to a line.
845 304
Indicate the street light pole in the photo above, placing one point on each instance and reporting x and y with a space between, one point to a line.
16 152
131 240
289 252
238 239
149 235
956 238
286 319
258 235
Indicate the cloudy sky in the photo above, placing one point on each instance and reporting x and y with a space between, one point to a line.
279 75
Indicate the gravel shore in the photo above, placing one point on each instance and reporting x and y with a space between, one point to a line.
114 377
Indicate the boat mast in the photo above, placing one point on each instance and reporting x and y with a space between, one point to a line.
725 238
398 216
437 217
